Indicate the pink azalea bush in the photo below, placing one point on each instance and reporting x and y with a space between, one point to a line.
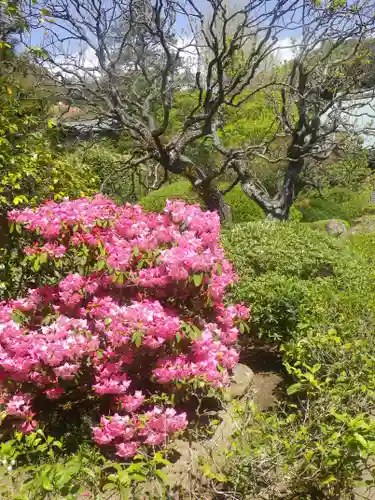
142 314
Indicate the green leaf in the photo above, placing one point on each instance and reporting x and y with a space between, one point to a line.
361 440
292 389
138 477
100 265
89 472
159 459
161 475
43 258
109 486
124 478
46 484
198 278
137 338
36 264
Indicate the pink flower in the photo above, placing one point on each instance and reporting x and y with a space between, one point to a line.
138 316
67 371
101 436
29 426
54 393
156 438
19 405
132 403
127 450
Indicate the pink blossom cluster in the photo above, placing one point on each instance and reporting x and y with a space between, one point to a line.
127 433
122 330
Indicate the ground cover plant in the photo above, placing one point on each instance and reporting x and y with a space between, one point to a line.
313 296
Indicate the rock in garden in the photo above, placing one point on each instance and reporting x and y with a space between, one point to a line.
241 381
335 227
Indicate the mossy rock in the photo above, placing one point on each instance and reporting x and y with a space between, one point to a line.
321 225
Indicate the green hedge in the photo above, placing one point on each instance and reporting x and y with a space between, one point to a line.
315 295
275 262
243 209
335 203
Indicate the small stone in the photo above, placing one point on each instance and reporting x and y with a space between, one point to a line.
335 227
241 381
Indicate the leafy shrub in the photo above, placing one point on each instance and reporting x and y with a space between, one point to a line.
295 215
335 203
364 245
133 313
276 263
105 161
243 209
321 438
290 249
179 190
59 475
30 171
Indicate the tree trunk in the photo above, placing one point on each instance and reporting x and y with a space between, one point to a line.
215 201
274 208
212 196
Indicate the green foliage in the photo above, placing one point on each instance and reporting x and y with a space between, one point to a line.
104 160
180 190
243 209
36 467
318 441
276 263
30 172
335 203
351 171
252 123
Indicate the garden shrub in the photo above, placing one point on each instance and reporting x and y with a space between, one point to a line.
334 203
179 190
276 263
131 323
243 209
31 170
104 160
316 444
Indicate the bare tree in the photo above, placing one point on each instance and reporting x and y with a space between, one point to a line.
126 61
314 97
130 80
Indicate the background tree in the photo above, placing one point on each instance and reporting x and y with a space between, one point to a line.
309 96
126 65
177 34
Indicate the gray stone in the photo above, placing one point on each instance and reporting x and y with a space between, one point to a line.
241 381
335 227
